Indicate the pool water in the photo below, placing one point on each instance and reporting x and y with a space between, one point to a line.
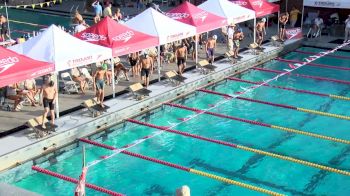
133 176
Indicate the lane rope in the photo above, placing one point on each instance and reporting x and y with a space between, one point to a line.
75 181
286 129
190 170
280 105
314 64
329 55
292 89
302 75
28 23
245 148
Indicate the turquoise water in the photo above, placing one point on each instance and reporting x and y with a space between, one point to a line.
43 20
133 176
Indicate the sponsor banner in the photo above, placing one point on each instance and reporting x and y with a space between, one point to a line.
328 3
124 37
244 3
177 16
7 62
177 36
294 33
92 37
200 16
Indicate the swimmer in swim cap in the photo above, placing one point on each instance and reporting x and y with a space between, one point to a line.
99 83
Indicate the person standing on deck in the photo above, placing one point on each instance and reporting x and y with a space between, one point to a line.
99 83
210 48
260 31
107 12
237 38
294 16
181 57
347 29
146 63
230 32
283 21
49 96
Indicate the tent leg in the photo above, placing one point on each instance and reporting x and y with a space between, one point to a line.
302 19
57 105
196 48
254 30
267 22
278 23
113 78
158 63
8 20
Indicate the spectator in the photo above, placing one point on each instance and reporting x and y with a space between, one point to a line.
317 26
81 26
119 66
49 97
139 5
117 15
11 93
283 21
77 77
78 18
347 29
3 28
30 86
97 8
107 12
230 32
294 16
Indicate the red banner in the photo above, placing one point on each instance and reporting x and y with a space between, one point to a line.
294 33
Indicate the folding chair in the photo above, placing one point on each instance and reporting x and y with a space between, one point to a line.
88 77
275 41
36 125
229 56
205 67
69 85
139 91
94 107
174 77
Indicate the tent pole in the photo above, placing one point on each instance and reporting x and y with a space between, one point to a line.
254 30
278 22
8 20
113 77
196 48
302 19
57 105
267 22
158 63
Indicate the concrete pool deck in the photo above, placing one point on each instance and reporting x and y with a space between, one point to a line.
20 147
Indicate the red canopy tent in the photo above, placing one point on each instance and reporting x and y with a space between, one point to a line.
192 15
15 67
120 38
261 7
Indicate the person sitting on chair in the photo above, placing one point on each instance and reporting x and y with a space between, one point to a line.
77 77
30 86
11 93
119 66
317 26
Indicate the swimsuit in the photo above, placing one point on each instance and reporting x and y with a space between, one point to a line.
210 52
48 103
259 33
282 26
132 61
100 84
181 61
145 72
236 43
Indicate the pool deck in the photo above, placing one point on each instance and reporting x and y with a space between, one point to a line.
21 147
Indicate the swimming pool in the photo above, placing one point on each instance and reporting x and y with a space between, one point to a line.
134 176
25 21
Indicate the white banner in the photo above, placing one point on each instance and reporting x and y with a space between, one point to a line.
328 3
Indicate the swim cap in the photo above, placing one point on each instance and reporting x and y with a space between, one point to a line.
104 66
263 20
215 37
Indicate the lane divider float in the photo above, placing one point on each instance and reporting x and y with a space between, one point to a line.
245 148
187 169
328 55
302 75
280 105
28 23
314 64
292 89
262 124
75 181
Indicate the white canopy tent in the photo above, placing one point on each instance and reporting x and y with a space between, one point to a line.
157 24
232 12
65 51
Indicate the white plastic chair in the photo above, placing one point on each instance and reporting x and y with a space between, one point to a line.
88 76
69 85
